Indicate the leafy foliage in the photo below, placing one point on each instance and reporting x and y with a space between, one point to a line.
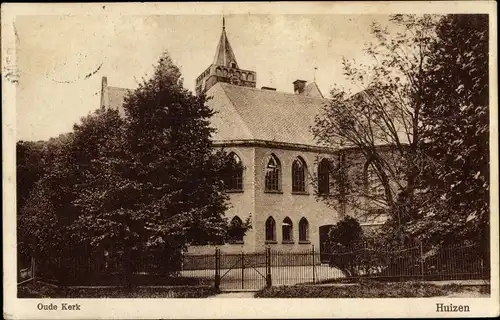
40 290
134 188
420 125
29 168
455 126
346 248
346 232
237 229
369 290
385 113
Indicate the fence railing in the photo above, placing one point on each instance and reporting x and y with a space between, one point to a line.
271 267
411 262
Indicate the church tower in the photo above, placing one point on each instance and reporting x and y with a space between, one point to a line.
224 68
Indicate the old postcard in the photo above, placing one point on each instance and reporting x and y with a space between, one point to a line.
250 160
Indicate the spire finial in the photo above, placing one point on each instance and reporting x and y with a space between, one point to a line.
223 22
314 77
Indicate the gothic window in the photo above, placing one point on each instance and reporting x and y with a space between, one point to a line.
270 229
287 229
372 185
273 174
243 76
233 65
298 175
250 77
303 230
324 177
234 181
236 230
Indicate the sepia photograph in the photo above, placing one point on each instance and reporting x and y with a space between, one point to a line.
212 152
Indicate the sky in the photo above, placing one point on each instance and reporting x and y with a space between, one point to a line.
56 53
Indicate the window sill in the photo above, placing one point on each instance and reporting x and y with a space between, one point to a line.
234 191
271 242
287 242
236 242
304 242
273 191
304 193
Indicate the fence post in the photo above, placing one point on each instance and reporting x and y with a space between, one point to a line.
182 259
268 267
314 264
217 268
33 269
421 260
242 270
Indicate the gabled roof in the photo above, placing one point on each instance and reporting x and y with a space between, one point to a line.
224 54
253 114
244 113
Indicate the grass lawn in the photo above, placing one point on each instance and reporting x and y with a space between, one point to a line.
374 290
40 290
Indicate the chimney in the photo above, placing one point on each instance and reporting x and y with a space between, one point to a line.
268 88
298 86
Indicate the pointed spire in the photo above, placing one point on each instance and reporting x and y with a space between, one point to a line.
224 55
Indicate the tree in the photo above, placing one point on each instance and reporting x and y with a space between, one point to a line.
455 130
42 218
29 168
157 183
382 121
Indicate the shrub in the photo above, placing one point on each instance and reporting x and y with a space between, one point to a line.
40 290
365 289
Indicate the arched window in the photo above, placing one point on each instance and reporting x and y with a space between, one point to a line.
324 177
287 229
273 174
270 229
303 230
372 185
236 230
250 77
298 175
234 182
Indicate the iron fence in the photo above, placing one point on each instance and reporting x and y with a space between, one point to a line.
271 267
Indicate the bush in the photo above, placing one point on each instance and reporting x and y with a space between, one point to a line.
348 251
366 289
40 290
346 232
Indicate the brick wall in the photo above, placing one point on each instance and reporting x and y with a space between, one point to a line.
286 204
260 205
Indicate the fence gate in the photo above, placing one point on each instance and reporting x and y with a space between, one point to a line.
242 271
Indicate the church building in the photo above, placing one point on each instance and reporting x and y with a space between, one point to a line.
269 133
